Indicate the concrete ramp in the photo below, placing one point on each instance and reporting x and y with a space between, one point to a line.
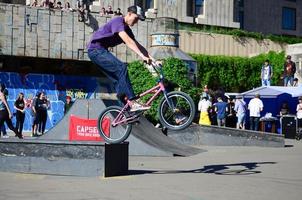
146 132
222 136
144 139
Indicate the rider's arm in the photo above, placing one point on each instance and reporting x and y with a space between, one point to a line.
134 46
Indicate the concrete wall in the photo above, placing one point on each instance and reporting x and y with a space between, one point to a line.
266 16
39 32
218 44
218 13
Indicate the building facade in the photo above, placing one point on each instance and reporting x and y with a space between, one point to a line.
281 17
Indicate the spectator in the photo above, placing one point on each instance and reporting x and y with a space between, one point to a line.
109 11
45 3
19 106
205 92
103 11
240 109
212 113
58 5
68 104
203 106
35 122
255 106
35 3
221 109
52 4
3 128
118 12
266 73
42 105
67 7
299 112
83 10
284 109
5 113
230 114
289 71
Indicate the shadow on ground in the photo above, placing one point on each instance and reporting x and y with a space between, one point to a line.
221 169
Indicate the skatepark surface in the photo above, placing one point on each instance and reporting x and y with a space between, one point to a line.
220 173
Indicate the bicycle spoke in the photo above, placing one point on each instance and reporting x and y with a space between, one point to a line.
177 111
112 125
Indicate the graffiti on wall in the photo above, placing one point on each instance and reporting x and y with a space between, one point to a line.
56 87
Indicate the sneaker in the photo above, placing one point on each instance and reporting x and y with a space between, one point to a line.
179 119
138 107
5 136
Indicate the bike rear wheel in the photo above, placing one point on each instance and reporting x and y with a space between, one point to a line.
177 111
113 134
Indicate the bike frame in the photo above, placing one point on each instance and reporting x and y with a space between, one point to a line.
156 90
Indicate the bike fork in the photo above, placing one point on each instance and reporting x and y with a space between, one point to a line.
170 103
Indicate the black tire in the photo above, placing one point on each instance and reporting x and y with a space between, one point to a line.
118 133
183 106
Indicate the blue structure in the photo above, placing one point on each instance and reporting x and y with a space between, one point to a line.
273 97
56 87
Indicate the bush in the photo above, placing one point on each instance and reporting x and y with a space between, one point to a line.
236 74
233 74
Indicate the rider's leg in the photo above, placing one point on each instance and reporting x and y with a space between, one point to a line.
107 64
117 72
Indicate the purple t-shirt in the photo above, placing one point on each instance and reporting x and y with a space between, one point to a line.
107 35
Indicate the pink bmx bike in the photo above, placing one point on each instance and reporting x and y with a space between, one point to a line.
176 111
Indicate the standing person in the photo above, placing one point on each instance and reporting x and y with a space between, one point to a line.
6 115
67 7
240 109
103 11
221 109
35 120
118 12
68 104
230 114
109 11
289 71
83 10
19 106
255 106
113 33
299 112
284 110
42 105
3 128
205 92
203 106
266 73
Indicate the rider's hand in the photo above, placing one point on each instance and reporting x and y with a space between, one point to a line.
158 62
147 60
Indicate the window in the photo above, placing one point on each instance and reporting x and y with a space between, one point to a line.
198 7
149 3
145 4
239 12
288 18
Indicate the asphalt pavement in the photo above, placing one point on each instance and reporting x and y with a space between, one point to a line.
221 173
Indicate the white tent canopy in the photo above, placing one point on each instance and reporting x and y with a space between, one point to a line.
273 91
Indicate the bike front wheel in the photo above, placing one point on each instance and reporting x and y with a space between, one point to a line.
110 132
176 111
